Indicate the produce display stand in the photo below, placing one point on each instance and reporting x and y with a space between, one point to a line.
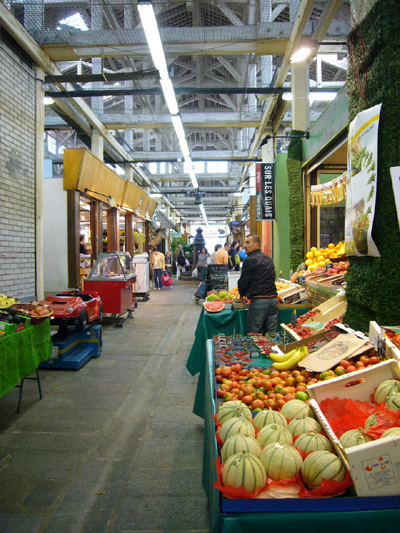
112 278
346 514
228 322
20 355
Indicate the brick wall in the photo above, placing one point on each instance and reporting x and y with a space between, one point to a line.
17 174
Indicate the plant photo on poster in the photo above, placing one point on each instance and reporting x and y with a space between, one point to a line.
362 165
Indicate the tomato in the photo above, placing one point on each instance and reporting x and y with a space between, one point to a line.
300 388
290 381
257 404
283 375
267 371
302 395
275 382
247 399
396 339
218 379
259 395
226 371
278 388
344 363
244 372
359 365
296 373
249 389
227 397
218 371
275 374
285 391
258 383
374 360
301 379
268 385
235 391
280 403
350 368
289 397
271 396
278 396
269 404
236 368
225 387
339 371
221 393
364 359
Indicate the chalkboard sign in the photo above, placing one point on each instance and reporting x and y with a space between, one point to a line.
217 277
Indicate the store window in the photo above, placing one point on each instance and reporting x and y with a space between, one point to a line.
331 218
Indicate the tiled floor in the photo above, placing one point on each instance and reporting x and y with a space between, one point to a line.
114 446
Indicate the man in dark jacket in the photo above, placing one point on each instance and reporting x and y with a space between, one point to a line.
257 282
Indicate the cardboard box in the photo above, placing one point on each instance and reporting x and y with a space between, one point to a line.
303 342
329 304
374 466
382 343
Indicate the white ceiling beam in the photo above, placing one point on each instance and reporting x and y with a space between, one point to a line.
229 67
229 14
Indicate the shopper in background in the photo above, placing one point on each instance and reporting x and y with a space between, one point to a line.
202 264
158 262
180 261
82 245
212 256
257 282
168 259
242 253
221 257
234 259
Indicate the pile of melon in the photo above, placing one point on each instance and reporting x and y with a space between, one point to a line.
269 446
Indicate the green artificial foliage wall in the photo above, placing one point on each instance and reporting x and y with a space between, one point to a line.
296 200
373 284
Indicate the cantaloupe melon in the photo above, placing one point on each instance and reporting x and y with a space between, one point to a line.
244 470
354 437
312 441
240 443
270 416
281 461
296 409
233 410
393 401
321 465
390 432
385 388
298 426
274 433
233 426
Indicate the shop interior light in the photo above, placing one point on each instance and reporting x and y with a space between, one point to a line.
184 148
313 97
203 212
301 54
237 194
180 132
193 179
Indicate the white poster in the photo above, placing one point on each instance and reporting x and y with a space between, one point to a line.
362 167
395 173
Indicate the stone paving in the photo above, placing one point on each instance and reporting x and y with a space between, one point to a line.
114 446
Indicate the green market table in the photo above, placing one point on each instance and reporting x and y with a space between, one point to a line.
346 514
21 353
228 322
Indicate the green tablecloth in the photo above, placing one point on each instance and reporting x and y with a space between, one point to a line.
22 352
320 514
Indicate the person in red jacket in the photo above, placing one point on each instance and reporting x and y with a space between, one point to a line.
257 283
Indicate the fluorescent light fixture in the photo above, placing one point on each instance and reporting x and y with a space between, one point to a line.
313 97
48 100
188 161
301 54
180 132
204 214
169 95
184 148
319 97
193 179
148 18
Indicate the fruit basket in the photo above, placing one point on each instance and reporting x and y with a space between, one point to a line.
37 312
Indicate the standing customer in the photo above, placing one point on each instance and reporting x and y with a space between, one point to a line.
212 256
158 267
234 260
221 257
180 261
257 282
202 264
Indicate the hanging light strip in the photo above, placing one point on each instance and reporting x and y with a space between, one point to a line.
150 27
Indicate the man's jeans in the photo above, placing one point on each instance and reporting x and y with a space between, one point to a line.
262 315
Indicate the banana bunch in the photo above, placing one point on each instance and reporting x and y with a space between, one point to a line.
290 359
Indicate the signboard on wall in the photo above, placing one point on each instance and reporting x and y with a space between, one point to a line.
362 167
265 191
332 121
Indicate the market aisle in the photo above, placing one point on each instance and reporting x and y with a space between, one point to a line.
113 446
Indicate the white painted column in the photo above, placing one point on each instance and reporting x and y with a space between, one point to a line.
39 156
300 91
97 144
